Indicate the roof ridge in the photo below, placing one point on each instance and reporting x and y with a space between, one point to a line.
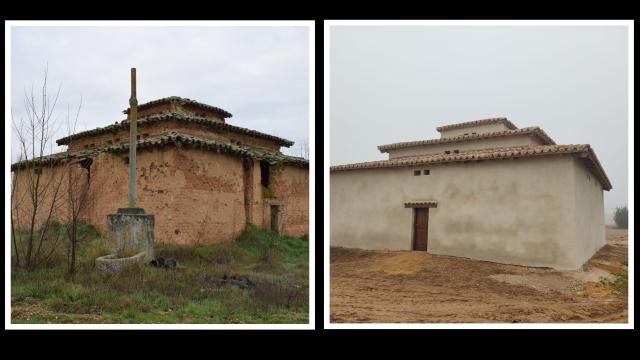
182 100
503 120
460 138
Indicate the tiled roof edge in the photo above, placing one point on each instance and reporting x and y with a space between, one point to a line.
464 138
503 120
168 139
486 154
165 116
181 100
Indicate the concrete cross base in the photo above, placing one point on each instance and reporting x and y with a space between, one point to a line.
132 232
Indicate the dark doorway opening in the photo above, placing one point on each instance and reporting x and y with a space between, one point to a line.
275 219
264 173
420 229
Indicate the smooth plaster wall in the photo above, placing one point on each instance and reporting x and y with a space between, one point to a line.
506 141
519 211
589 212
480 129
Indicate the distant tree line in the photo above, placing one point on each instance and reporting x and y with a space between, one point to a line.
621 217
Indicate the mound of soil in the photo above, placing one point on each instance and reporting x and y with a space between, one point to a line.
417 287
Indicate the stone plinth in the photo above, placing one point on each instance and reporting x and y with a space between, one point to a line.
132 232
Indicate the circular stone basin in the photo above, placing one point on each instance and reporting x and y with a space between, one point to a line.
110 264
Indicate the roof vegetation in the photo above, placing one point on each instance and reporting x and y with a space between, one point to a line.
172 138
182 101
166 116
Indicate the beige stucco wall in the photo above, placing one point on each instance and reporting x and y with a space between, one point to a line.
589 212
520 211
480 129
505 141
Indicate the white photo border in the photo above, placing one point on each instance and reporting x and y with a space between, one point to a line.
328 24
311 42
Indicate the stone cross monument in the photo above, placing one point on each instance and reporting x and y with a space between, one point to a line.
131 228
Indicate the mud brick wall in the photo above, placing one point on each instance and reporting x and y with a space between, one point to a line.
198 111
165 127
52 187
196 196
168 107
291 185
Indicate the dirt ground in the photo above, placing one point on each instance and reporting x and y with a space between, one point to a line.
417 287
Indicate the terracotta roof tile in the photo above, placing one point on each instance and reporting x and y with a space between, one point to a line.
463 138
508 123
180 100
421 204
583 150
172 138
166 116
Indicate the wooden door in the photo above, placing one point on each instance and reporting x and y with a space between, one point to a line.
421 229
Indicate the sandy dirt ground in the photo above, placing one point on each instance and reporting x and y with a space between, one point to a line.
417 287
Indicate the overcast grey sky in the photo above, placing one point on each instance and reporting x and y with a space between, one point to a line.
259 74
398 83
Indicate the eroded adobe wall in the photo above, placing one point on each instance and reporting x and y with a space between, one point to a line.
290 184
50 189
165 107
205 132
519 211
195 196
201 112
119 137
165 127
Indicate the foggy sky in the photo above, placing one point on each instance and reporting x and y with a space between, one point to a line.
259 74
398 83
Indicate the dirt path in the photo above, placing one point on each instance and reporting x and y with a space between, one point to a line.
416 287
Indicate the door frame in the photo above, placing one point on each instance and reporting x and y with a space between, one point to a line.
421 204
413 236
266 214
275 218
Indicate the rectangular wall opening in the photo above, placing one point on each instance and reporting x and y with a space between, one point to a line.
275 219
420 229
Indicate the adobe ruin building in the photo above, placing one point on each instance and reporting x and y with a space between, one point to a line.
203 178
485 190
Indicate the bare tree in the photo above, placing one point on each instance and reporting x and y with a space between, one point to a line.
37 182
77 195
304 148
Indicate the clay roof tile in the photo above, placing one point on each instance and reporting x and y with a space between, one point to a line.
534 131
583 150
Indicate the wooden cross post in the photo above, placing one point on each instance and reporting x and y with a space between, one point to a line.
133 135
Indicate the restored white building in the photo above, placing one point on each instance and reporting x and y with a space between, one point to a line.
484 190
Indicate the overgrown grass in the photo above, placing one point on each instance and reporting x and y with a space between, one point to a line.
277 266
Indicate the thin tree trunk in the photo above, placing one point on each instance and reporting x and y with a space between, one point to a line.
72 264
